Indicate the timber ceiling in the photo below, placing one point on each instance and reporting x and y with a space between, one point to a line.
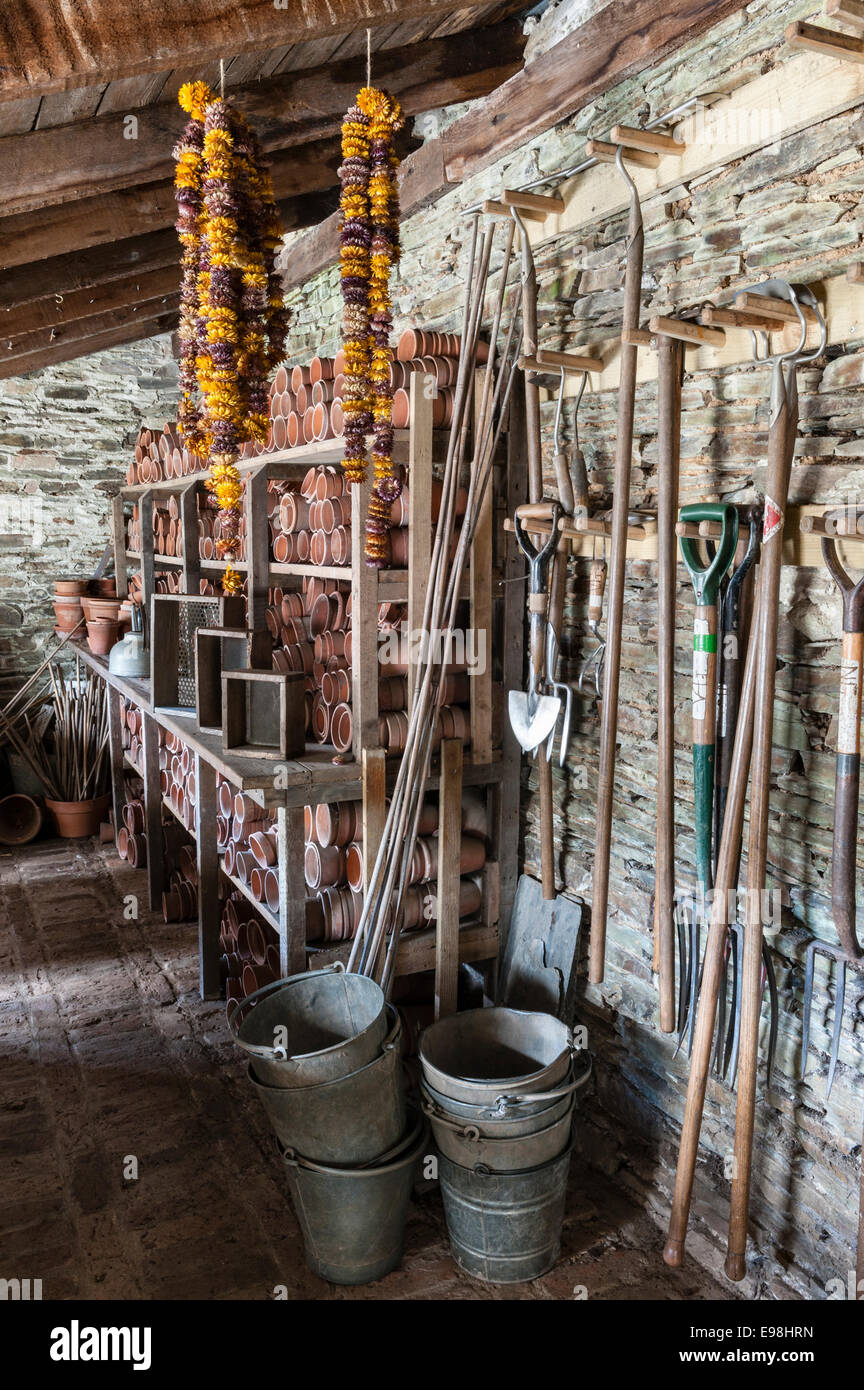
88 117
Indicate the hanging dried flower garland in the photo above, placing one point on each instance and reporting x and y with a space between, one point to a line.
232 318
369 249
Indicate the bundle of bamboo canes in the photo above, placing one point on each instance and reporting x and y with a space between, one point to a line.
376 941
65 741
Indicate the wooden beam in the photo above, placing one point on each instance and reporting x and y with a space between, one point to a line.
95 268
815 38
151 207
57 312
93 325
61 274
66 352
592 59
97 156
53 48
849 12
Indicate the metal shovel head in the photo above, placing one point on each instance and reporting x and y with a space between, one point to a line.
532 729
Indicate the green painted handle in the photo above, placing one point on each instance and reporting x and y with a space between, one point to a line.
703 799
706 578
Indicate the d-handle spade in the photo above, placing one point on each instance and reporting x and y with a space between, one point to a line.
533 715
706 587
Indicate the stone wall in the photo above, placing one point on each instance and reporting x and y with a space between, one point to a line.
792 209
66 436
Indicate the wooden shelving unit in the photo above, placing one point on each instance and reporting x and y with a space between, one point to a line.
286 788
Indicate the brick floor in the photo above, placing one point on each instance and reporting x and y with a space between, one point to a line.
110 1060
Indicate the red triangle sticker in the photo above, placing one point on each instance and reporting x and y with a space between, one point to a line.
773 520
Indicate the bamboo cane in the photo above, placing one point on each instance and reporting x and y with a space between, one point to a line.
368 939
617 562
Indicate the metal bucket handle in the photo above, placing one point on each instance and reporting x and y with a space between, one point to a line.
505 1103
270 1054
432 1112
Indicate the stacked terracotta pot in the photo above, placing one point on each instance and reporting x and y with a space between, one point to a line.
250 949
160 456
333 861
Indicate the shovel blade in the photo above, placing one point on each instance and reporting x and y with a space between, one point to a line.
532 729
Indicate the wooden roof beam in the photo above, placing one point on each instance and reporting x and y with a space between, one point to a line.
57 312
92 326
52 48
100 342
131 256
85 158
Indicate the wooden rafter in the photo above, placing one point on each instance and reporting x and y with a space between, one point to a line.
66 352
52 48
91 326
97 156
57 312
591 59
127 259
52 231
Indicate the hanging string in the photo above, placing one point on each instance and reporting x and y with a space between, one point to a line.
368 57
222 78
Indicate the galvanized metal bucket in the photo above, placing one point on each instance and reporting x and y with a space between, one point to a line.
352 1120
511 1116
505 1227
465 1145
506 1145
479 1055
353 1219
311 1028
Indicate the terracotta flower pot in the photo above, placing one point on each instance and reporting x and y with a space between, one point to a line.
20 820
72 820
70 588
321 369
102 635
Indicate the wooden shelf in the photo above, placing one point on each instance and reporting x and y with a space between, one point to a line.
477 942
369 776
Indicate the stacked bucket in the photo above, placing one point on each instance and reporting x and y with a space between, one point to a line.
499 1087
326 1064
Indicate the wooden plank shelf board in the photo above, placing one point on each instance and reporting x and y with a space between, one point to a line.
477 942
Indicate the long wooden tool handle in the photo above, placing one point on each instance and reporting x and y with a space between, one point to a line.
544 766
764 640
713 967
846 787
596 590
670 363
615 607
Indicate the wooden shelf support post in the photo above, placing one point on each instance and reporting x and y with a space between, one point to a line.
153 810
447 895
374 807
209 909
292 890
